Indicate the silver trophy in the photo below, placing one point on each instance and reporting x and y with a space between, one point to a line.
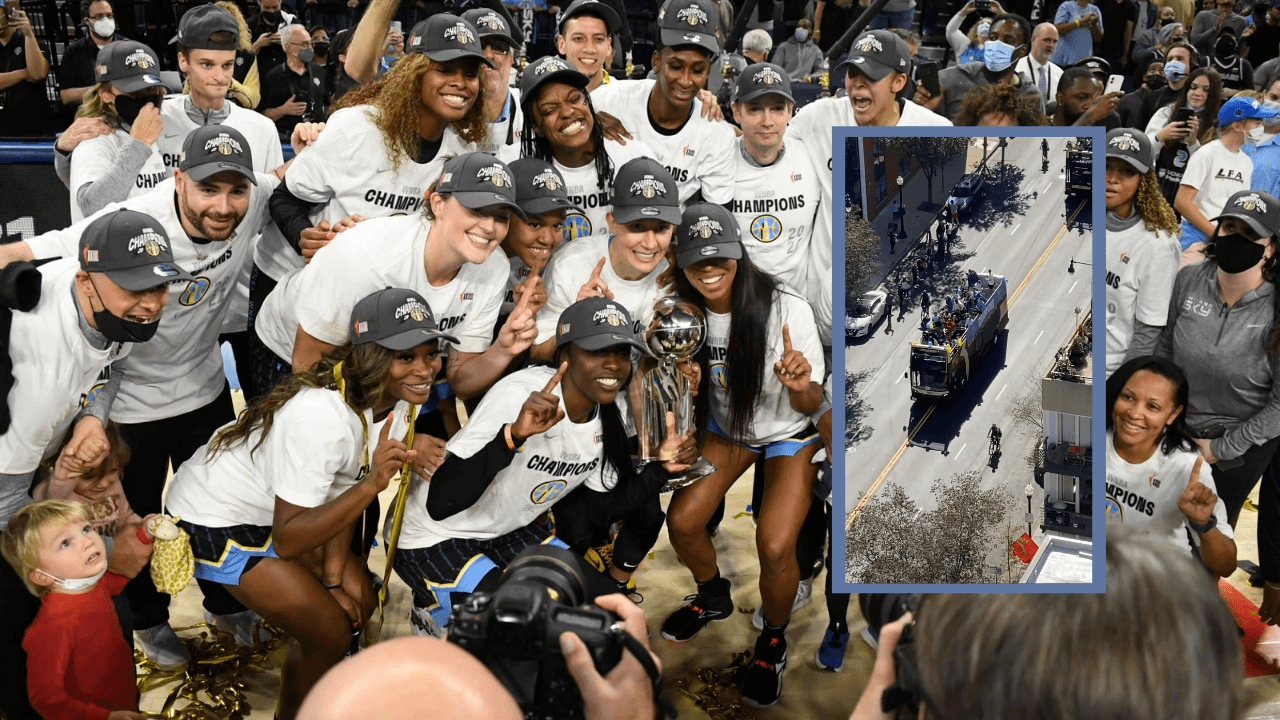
674 330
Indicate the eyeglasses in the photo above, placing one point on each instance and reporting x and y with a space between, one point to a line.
496 46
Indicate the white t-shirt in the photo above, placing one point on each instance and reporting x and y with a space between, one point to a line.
54 369
1145 496
572 266
776 208
95 156
698 155
773 419
376 254
586 192
512 126
546 468
1141 266
180 369
1217 173
316 449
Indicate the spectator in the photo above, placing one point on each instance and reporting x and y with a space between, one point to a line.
1264 44
264 28
1266 154
320 43
1152 80
1210 23
584 38
340 83
1180 60
1006 45
968 46
1081 102
1115 45
1184 11
293 92
1235 71
1142 249
1037 66
894 14
831 19
756 46
246 82
76 70
1159 49
1000 104
799 54
1079 25
1217 171
392 50
1146 38
1203 96
502 109
24 108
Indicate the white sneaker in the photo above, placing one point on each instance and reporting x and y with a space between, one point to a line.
162 646
423 624
804 593
240 624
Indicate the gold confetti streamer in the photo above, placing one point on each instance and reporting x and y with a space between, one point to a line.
715 690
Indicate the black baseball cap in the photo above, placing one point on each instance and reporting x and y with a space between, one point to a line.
876 53
1259 209
762 79
590 7
396 319
198 25
212 149
479 180
689 22
707 231
548 69
595 324
446 37
539 187
490 22
131 248
128 65
1100 68
644 190
1131 145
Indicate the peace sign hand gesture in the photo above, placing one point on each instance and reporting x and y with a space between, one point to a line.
595 287
792 370
388 457
1197 501
521 327
540 412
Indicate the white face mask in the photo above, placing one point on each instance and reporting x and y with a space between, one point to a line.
76 584
1256 134
104 27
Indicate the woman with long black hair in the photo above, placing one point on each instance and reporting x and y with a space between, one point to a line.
744 411
287 480
536 436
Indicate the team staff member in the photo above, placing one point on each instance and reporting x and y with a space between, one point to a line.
561 126
744 412
511 462
292 474
172 392
776 191
127 163
584 37
696 151
499 40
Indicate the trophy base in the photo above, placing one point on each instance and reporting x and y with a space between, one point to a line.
698 470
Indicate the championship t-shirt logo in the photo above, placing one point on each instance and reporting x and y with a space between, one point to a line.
868 43
767 76
705 227
1124 142
148 241
495 174
1251 202
140 59
548 179
491 21
412 310
610 314
648 188
692 16
458 33
224 144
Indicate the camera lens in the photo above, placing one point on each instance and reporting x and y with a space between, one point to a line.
553 567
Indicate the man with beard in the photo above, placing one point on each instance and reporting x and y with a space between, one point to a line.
499 41
1080 101
1006 44
169 394
1037 66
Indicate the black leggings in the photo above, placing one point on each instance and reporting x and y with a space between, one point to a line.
1237 481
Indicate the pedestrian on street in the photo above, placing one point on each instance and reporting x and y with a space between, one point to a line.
902 300
888 314
915 275
924 303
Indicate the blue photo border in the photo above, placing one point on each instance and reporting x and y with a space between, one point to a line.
839 136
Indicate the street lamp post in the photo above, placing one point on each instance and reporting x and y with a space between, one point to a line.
1030 490
902 218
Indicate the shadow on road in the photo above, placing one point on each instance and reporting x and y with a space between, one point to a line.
950 415
857 409
1001 203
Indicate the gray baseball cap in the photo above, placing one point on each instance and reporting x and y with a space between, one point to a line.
479 180
132 249
707 232
396 319
1131 145
595 324
644 190
1259 209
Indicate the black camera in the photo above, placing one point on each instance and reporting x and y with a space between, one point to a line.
19 286
906 694
515 630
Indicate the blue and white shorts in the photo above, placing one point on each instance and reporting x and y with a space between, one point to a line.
223 554
780 448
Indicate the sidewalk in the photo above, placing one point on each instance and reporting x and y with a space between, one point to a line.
921 214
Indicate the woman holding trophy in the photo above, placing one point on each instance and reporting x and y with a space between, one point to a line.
743 411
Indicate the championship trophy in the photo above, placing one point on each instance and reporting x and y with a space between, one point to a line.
674 330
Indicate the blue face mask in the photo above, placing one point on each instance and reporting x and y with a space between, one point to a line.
1175 70
801 34
997 56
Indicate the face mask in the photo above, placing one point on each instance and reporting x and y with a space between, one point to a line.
1236 253
1175 70
997 56
322 48
129 107
801 35
76 584
272 17
103 27
1165 21
117 329
1256 134
306 55
1154 81
1226 48
984 28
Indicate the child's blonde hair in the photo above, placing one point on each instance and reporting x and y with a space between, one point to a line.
20 543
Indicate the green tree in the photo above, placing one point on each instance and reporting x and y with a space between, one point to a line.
861 256
931 154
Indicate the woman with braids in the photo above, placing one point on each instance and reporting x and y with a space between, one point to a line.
756 399
1222 332
270 502
561 127
1000 104
1142 248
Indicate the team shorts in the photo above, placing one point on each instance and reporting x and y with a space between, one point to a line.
450 569
779 448
223 554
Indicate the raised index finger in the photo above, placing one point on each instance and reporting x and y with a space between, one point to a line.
555 379
1195 473
786 338
386 428
595 274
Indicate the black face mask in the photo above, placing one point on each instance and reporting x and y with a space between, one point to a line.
272 18
1165 21
1236 253
321 48
1155 81
117 329
129 107
1225 49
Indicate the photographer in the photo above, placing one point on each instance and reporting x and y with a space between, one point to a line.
1181 648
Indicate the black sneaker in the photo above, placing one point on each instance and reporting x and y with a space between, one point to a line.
762 682
685 624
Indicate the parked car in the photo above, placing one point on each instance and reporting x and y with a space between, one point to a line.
967 192
868 311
